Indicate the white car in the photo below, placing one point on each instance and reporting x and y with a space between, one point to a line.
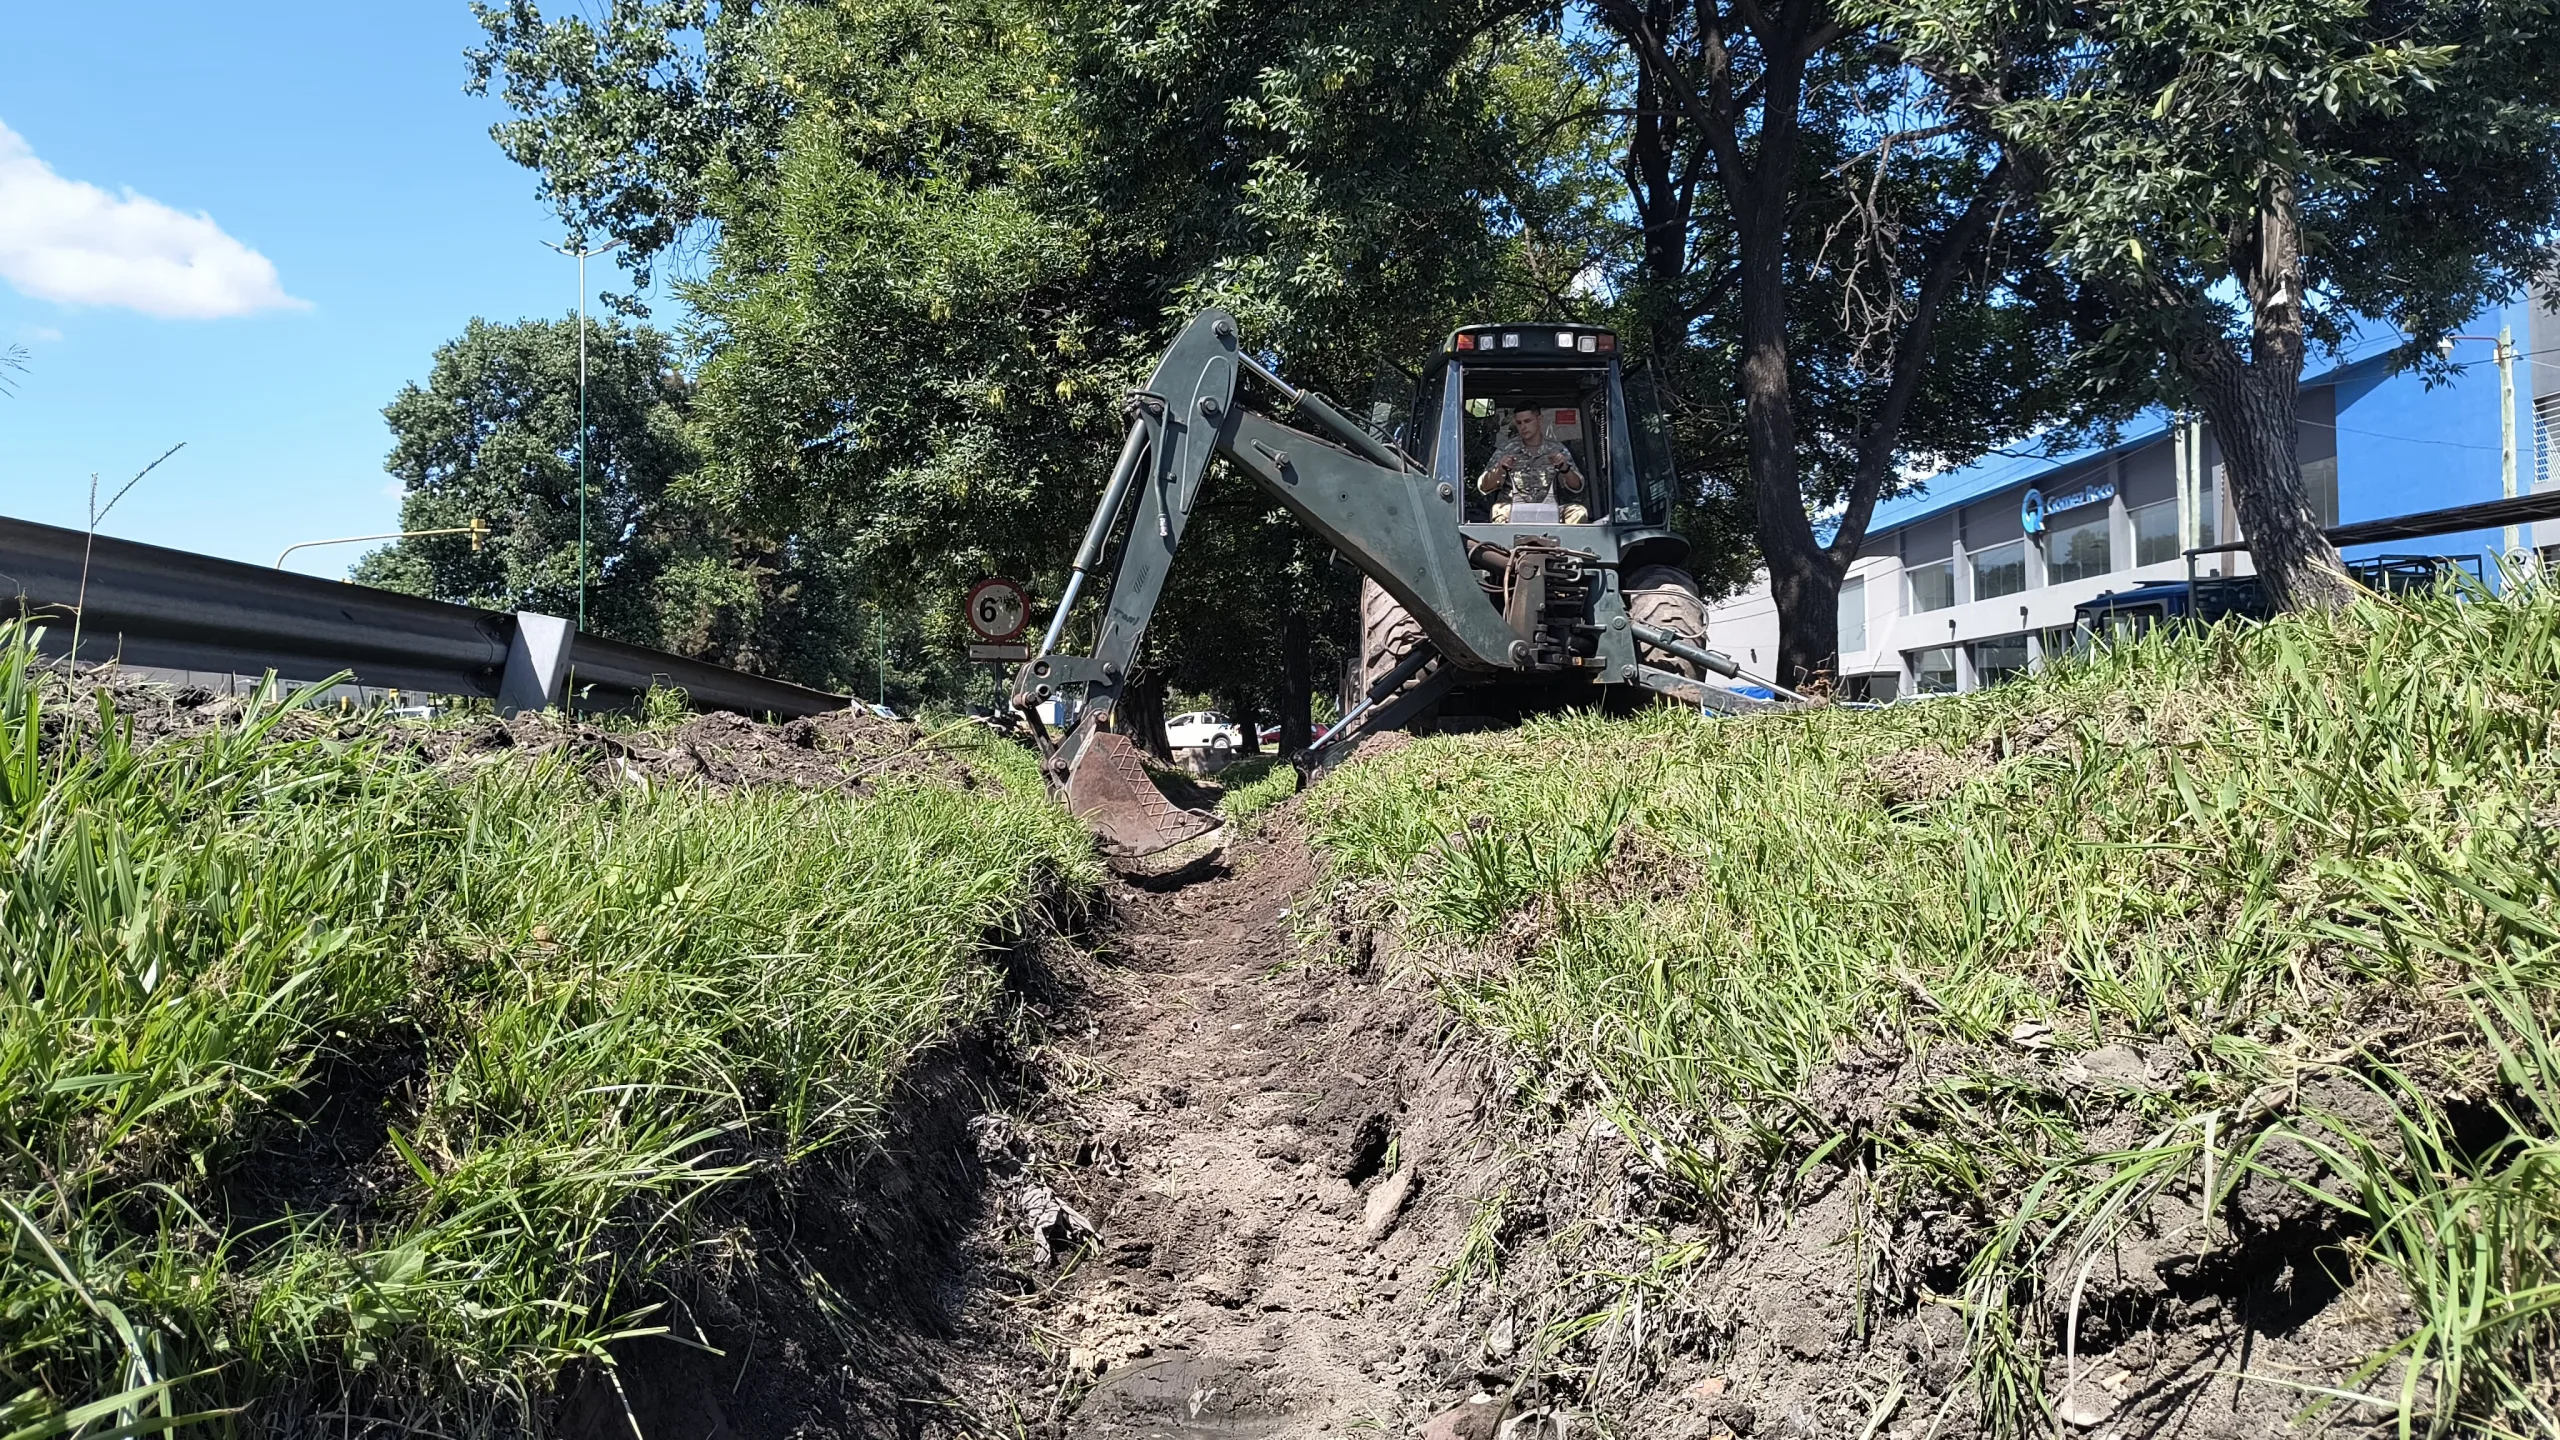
1202 730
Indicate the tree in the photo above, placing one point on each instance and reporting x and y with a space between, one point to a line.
1819 236
493 436
2243 180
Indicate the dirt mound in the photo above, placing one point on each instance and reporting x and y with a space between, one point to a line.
843 750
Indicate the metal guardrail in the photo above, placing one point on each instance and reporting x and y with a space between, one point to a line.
146 605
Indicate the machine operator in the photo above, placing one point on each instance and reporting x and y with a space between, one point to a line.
1529 469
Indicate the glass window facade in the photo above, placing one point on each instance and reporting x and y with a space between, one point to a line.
1853 615
1933 672
1999 570
1998 661
2078 551
1933 586
1874 689
2155 533
2320 477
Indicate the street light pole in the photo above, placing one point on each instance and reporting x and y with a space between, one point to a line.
478 530
2511 541
582 253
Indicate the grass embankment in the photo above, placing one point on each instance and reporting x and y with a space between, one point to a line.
2315 858
587 1016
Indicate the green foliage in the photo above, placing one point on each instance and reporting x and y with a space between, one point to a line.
2243 842
1250 787
631 115
621 1007
493 437
2418 141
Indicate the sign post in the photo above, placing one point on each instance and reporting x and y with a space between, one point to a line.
998 611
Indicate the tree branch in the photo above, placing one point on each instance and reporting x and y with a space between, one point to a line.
1883 437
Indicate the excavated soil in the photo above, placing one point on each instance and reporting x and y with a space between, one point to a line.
843 750
1252 1189
1242 1176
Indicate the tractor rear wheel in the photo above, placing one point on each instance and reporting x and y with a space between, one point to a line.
1387 636
1666 598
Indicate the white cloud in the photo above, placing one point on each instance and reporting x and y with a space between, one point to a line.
69 241
39 334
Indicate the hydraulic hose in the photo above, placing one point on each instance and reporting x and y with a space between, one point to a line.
1324 413
1098 534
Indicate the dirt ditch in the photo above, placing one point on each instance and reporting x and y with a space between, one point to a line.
1255 1183
1234 1179
1269 1152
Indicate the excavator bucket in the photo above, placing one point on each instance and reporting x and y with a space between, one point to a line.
1109 790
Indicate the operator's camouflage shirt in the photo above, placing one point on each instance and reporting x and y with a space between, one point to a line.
1535 472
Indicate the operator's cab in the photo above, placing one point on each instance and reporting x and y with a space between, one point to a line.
1608 416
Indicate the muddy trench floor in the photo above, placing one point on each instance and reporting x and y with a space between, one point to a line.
1251 1128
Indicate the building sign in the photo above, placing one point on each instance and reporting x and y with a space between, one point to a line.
2035 505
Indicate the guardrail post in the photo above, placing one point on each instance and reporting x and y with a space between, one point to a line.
537 674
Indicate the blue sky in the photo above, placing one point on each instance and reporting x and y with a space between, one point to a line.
359 216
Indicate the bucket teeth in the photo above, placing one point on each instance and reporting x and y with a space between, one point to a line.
1109 790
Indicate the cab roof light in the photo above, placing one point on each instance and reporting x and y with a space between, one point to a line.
1564 339
1466 342
1589 344
1608 342
1511 340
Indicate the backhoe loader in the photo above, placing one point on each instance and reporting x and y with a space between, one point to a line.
1461 614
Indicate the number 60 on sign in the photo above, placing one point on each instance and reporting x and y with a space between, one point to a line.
998 610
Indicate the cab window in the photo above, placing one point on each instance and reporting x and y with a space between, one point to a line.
1573 405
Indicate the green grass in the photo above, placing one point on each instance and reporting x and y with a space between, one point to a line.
620 1004
1250 787
2249 840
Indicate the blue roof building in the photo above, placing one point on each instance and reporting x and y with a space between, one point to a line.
1972 576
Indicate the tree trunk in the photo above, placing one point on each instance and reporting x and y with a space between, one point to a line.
2251 408
1804 578
1297 684
1141 715
2251 404
1248 727
1807 597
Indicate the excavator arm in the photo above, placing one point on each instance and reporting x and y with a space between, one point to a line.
1382 512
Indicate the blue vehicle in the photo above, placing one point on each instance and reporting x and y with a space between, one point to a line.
2126 613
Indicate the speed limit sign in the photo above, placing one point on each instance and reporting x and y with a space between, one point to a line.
998 610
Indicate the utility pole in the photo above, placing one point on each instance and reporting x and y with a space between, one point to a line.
582 253
2511 540
2510 543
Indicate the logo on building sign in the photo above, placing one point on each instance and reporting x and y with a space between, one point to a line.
2035 505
